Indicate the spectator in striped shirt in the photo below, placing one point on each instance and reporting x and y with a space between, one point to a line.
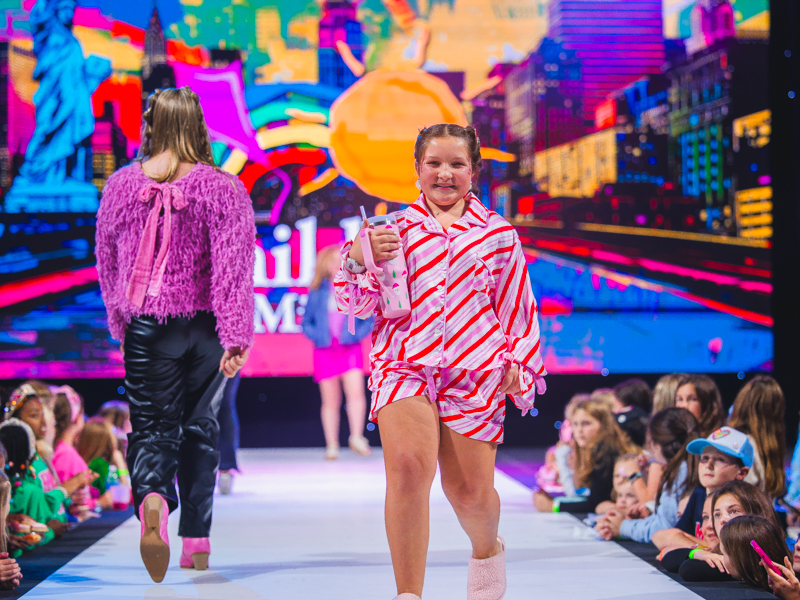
440 375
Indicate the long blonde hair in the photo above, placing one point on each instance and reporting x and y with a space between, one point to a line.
758 411
610 438
664 392
321 272
174 122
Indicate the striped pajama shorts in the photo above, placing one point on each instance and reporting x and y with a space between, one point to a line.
468 401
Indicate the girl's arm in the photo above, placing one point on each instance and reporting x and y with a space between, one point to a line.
107 265
519 317
232 234
356 294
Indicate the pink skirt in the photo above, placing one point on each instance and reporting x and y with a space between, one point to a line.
336 360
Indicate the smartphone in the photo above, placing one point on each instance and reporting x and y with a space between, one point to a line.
765 558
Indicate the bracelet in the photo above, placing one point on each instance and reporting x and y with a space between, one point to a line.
123 472
634 477
354 266
692 551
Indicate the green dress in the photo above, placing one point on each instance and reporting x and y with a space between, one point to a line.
29 498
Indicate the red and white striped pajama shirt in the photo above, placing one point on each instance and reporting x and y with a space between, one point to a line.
472 313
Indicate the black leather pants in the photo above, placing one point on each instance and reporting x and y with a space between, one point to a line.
174 388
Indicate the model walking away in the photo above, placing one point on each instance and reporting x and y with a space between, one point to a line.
175 257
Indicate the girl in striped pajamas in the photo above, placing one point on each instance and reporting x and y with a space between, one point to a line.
440 375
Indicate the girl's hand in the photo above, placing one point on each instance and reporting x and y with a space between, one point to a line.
786 587
9 569
712 560
232 361
385 244
510 383
75 483
59 528
638 511
542 501
611 523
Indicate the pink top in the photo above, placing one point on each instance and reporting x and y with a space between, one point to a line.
67 462
200 256
472 306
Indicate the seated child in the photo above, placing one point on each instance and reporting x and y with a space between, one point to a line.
27 494
670 431
10 573
703 561
69 422
627 478
597 442
741 559
118 414
725 455
97 445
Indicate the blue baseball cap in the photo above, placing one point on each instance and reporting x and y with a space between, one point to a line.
728 441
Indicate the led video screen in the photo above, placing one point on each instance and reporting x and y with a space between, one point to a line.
626 141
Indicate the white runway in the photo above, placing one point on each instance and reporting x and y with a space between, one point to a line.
300 528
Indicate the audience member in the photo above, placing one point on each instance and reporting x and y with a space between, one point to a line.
664 392
46 398
69 417
702 561
118 414
670 431
700 396
27 495
563 450
758 411
628 478
726 455
597 442
739 556
97 445
633 401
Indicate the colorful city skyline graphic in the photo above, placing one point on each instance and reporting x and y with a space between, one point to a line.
628 146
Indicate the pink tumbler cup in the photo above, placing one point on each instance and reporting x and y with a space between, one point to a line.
392 274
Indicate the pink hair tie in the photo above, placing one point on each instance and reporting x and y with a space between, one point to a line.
75 403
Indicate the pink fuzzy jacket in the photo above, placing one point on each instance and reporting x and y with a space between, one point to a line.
209 265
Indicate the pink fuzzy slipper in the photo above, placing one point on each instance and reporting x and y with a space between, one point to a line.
487 576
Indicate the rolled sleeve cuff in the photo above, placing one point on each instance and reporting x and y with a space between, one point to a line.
529 382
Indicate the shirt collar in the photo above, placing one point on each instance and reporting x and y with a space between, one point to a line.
476 214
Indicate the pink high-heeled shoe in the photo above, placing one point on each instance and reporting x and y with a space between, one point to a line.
154 545
487 576
195 553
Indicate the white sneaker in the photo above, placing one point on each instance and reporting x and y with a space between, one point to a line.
360 445
225 482
331 452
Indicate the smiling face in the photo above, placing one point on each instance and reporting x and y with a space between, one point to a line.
32 413
445 171
584 428
717 468
726 508
686 397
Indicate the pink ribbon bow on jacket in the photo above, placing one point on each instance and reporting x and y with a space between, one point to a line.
147 276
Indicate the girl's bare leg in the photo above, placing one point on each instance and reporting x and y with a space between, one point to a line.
331 392
410 438
353 383
467 470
